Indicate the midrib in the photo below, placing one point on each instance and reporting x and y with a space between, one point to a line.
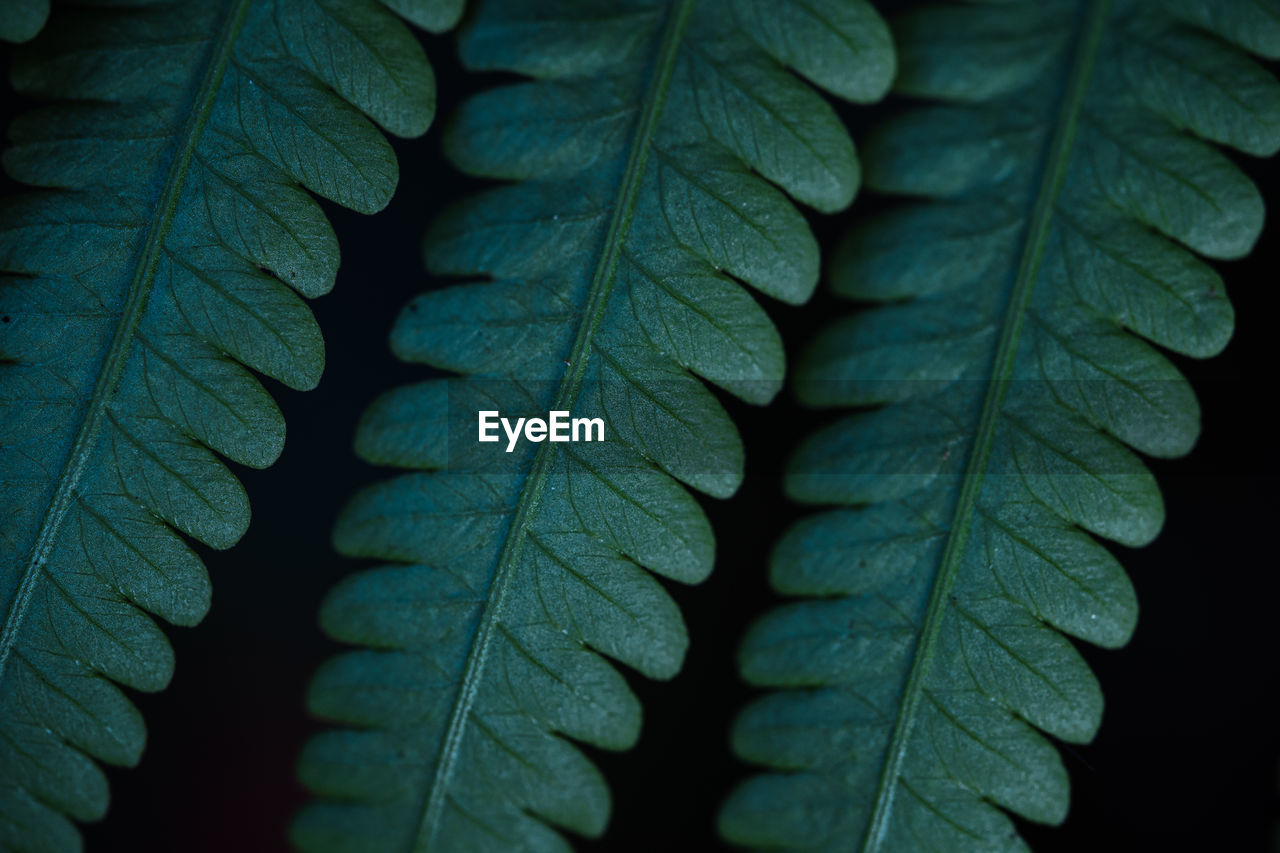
1056 161
601 287
117 354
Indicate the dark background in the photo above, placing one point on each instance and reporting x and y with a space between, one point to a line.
1187 755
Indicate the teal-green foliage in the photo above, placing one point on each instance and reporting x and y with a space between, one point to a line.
653 151
20 20
1057 187
162 256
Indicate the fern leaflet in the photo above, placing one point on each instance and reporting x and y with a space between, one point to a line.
20 20
164 253
1055 186
642 148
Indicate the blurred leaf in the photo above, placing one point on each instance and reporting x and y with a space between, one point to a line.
21 20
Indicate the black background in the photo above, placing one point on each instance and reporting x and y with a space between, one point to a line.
1187 755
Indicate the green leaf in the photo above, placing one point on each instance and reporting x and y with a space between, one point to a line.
608 273
22 20
1057 187
162 256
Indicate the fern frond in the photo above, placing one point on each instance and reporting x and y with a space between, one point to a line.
647 148
163 254
1060 186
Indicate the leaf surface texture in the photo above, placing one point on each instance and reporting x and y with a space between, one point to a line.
1056 185
161 255
652 152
